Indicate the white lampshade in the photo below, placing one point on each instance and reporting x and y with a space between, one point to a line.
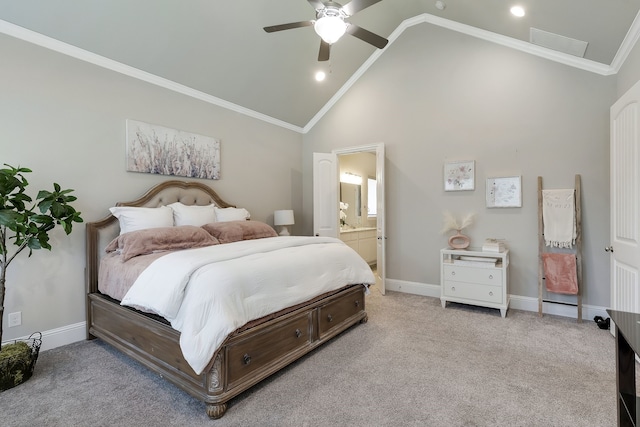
283 218
330 28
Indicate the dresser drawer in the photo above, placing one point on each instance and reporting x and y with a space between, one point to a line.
246 357
334 314
462 290
482 275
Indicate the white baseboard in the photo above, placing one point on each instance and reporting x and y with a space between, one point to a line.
531 304
517 302
78 332
61 336
415 288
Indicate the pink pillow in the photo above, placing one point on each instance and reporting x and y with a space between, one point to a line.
233 231
151 240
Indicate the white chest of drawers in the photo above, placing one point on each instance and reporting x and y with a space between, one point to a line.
467 277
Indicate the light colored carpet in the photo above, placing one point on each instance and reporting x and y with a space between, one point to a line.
413 364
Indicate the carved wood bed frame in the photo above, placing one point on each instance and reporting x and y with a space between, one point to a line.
247 356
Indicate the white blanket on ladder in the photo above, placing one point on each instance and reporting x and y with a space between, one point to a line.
559 219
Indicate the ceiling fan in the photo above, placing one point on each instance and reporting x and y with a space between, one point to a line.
330 24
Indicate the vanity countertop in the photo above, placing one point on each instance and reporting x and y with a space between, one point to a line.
351 230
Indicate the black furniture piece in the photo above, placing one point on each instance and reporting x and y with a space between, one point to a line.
627 346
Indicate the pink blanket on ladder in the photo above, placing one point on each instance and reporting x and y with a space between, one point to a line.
560 273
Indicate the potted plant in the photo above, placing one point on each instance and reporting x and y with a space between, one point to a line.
25 223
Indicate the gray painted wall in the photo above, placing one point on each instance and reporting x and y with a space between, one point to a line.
629 73
436 96
65 119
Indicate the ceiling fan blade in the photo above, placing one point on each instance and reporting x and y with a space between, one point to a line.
355 6
289 26
367 36
325 49
317 4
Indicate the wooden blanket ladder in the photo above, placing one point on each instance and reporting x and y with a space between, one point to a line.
576 250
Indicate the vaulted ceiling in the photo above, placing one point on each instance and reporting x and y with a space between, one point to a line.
219 51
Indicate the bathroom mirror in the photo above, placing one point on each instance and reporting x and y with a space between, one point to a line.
351 194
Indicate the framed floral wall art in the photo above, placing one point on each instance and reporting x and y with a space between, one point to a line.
459 176
160 150
504 192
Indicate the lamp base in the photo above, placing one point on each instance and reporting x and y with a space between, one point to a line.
284 231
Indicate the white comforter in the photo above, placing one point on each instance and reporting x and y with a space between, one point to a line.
207 293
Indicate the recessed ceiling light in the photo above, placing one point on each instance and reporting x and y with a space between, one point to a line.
440 5
517 11
320 76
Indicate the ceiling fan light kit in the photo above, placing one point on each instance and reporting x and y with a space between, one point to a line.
330 25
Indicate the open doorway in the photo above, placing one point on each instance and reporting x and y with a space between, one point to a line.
358 214
361 195
326 204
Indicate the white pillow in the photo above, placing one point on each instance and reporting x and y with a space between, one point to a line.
231 214
134 219
192 214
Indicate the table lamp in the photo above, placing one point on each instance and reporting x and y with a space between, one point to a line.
283 218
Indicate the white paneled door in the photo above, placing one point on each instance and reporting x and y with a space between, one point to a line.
325 195
624 248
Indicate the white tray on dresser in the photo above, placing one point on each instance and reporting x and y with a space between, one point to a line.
475 277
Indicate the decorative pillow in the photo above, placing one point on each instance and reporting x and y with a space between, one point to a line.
231 214
151 240
134 219
233 231
192 214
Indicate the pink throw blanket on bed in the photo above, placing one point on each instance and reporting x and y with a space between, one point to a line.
560 273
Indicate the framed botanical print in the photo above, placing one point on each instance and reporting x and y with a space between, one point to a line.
504 192
459 176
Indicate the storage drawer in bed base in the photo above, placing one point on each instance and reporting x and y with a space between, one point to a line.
243 360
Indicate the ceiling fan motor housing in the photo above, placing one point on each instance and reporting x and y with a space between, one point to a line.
332 10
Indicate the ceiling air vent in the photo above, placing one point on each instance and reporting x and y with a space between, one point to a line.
557 42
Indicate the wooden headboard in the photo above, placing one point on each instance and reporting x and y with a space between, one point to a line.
100 233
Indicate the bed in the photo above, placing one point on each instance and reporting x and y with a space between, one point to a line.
248 354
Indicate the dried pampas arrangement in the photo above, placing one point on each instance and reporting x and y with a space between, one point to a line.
458 240
451 223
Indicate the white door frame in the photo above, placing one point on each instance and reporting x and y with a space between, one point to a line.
378 149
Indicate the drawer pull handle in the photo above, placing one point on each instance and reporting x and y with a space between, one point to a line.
453 288
453 273
491 293
298 333
247 359
329 318
491 276
357 303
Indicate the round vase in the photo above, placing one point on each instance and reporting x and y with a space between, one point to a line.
459 241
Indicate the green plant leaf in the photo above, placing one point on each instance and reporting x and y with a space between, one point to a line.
8 218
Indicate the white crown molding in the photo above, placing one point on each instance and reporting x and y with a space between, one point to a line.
425 18
92 58
627 44
584 64
543 52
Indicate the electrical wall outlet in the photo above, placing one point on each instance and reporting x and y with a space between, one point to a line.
15 319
